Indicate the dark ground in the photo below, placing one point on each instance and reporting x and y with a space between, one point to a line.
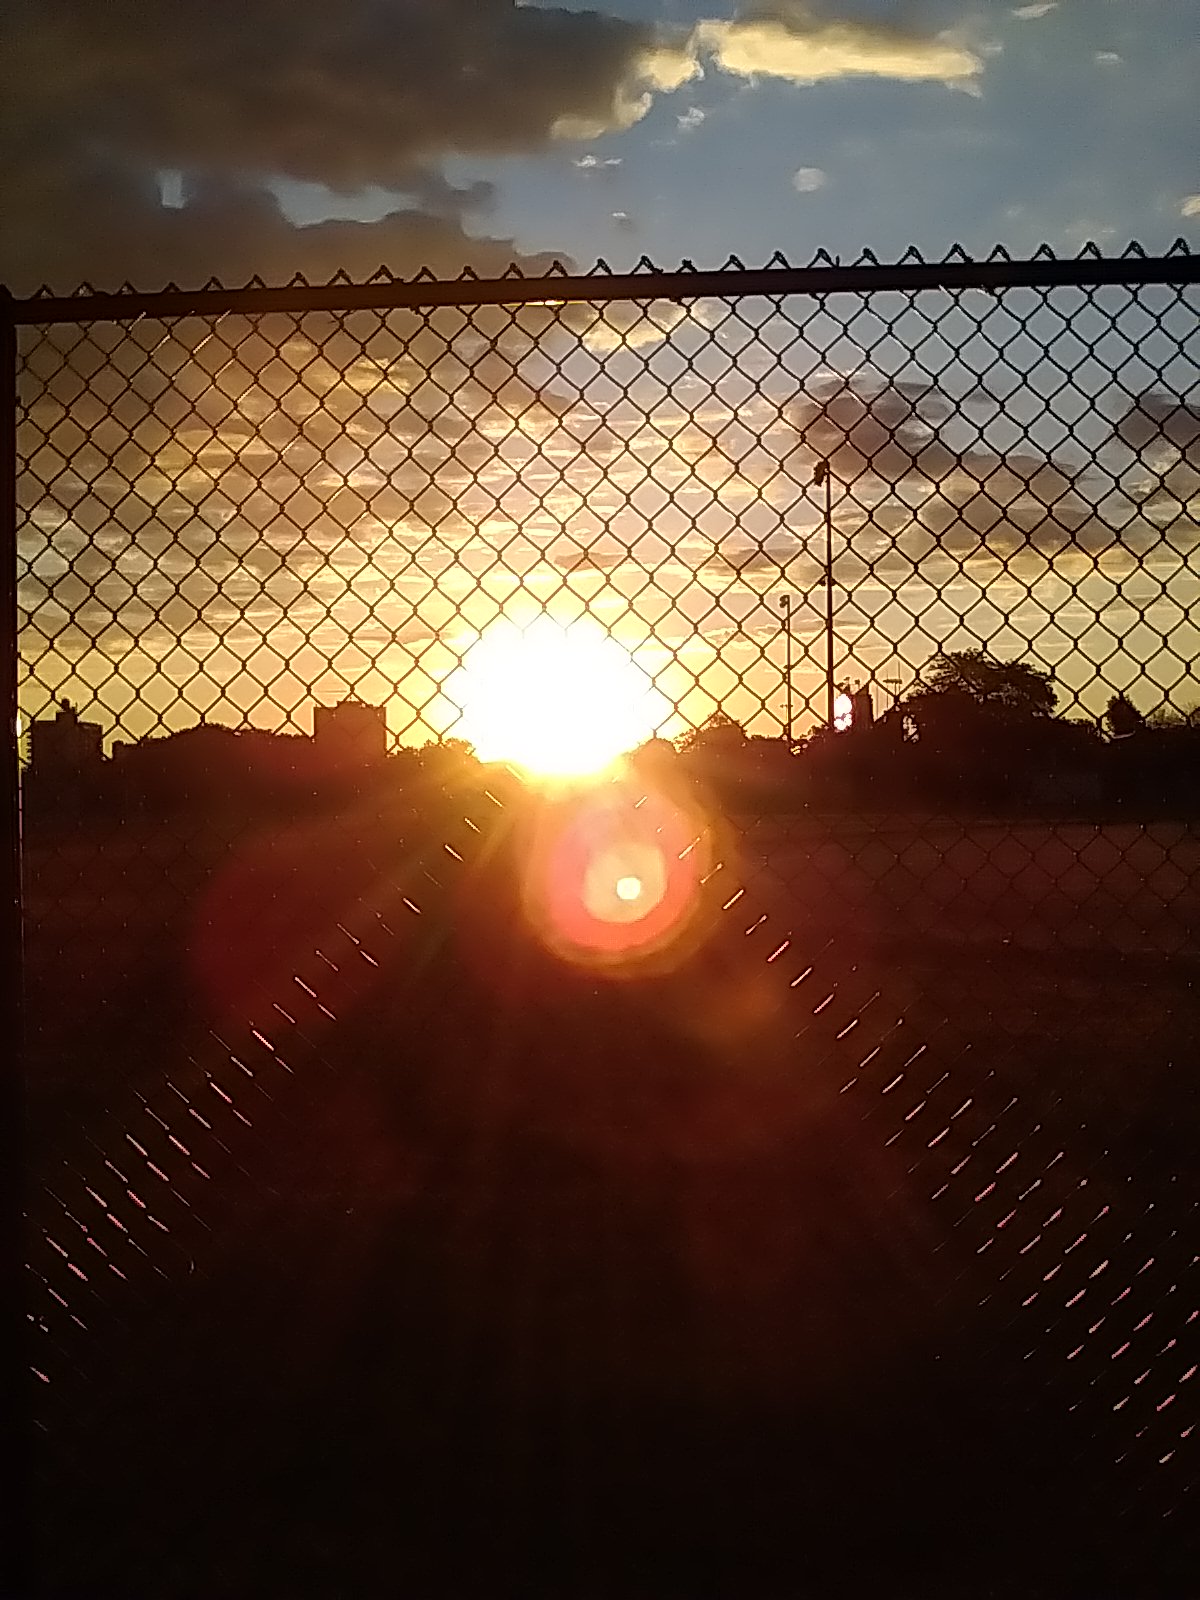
781 1273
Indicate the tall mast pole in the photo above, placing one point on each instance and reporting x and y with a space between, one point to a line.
785 606
822 475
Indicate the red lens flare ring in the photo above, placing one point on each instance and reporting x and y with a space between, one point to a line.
613 876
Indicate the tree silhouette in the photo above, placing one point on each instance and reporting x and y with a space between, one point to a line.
984 729
1122 717
974 679
1169 716
654 755
718 734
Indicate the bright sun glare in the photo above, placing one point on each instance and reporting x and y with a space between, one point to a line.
557 699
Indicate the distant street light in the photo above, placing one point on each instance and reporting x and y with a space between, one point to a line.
822 474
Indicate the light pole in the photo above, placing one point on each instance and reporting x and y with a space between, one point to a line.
785 607
822 475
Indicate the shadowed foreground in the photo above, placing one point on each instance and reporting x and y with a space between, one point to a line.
517 1279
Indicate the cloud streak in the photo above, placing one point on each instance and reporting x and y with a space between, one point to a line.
789 39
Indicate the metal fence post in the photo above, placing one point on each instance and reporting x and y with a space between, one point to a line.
15 1573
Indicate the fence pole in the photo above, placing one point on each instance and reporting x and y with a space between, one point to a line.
15 1567
830 690
785 606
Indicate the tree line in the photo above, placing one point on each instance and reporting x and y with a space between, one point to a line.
974 732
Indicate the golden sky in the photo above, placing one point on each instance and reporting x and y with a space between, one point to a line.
237 519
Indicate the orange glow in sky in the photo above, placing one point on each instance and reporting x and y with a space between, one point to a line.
556 699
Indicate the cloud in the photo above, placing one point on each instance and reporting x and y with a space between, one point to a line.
654 69
1032 12
238 93
1156 420
870 427
624 222
586 431
627 325
347 95
103 98
568 557
789 39
1175 492
743 559
1107 58
807 180
1190 206
107 227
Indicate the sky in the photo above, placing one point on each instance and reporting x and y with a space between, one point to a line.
223 543
683 129
981 125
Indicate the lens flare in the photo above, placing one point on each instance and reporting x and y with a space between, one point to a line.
613 878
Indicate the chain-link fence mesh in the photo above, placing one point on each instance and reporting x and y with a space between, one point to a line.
382 1221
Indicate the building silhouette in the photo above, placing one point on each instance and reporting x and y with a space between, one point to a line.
862 712
63 747
853 708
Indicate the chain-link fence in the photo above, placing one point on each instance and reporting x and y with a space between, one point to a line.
763 1159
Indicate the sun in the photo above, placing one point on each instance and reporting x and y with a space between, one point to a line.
555 699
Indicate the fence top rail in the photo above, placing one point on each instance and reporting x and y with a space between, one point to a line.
1179 266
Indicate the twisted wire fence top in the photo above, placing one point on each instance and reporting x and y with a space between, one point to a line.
822 272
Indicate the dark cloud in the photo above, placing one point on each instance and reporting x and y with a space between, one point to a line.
100 98
103 96
980 521
868 426
350 94
894 538
743 560
1156 419
109 227
1174 490
570 558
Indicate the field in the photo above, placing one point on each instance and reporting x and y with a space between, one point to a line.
1077 944
1116 888
524 1283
